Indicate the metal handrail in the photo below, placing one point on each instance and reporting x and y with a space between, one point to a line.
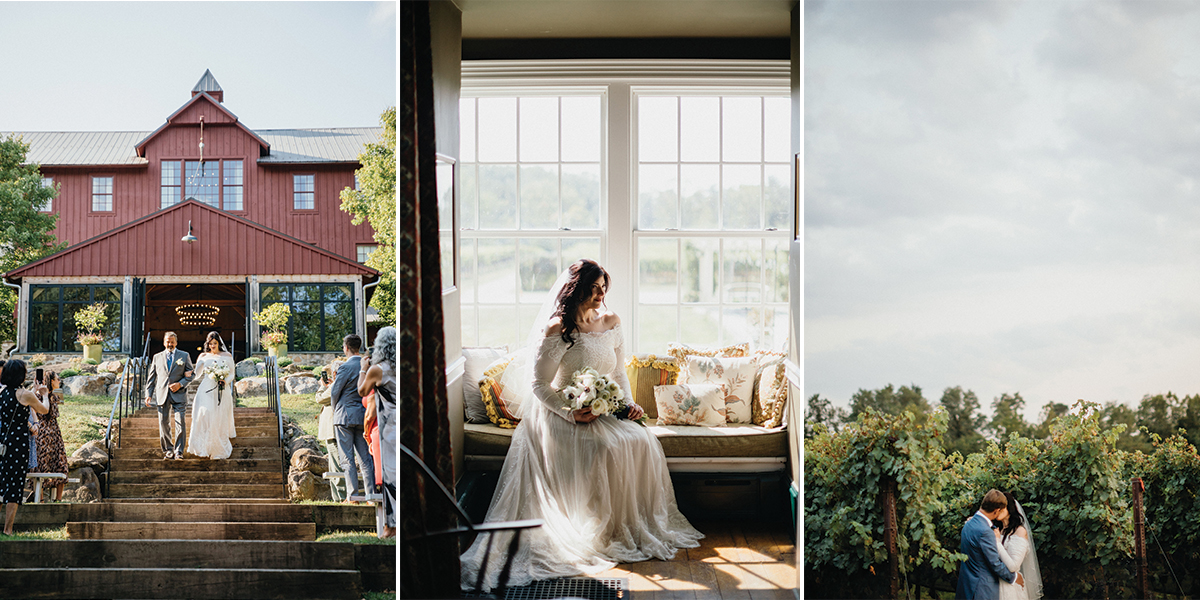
125 402
273 402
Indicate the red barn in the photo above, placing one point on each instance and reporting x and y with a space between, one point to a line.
261 208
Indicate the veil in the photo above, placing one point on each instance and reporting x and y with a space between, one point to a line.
517 381
1029 567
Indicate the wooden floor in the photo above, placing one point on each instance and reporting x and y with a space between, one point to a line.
742 560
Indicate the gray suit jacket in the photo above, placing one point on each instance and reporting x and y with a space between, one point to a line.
343 393
162 375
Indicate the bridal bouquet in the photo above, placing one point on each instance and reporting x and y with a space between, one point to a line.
219 373
589 389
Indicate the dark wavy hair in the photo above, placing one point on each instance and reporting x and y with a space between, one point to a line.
1014 518
213 335
578 288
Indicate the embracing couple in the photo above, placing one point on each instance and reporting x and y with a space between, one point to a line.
1001 560
212 409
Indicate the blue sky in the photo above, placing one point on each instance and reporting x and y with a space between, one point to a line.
1003 196
126 66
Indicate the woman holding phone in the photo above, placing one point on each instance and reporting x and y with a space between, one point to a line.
15 404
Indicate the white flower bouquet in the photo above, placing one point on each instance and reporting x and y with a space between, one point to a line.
589 389
219 372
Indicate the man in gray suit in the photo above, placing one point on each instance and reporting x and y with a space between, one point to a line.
166 386
348 414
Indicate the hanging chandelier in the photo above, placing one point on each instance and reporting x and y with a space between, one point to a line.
202 315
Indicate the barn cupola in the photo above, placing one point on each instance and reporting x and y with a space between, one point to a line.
208 84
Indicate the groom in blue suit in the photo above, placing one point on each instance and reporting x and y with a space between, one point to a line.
979 576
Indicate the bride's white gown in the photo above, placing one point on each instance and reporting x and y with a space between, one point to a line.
602 488
1012 552
212 421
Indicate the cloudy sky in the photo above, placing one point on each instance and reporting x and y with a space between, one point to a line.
126 66
1003 196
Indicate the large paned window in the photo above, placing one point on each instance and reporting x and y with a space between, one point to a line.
322 313
202 181
675 175
102 194
532 203
52 311
713 215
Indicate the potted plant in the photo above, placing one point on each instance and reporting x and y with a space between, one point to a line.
90 322
274 318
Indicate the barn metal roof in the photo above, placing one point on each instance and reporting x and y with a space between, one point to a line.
82 148
207 83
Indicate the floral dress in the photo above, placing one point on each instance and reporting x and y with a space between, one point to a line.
52 455
14 433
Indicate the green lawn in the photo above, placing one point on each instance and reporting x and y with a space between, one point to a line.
301 407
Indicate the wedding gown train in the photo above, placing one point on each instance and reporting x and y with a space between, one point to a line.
212 421
601 488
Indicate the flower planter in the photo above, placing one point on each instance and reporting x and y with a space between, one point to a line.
279 352
93 351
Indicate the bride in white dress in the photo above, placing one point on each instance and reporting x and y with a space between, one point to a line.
1016 550
599 483
212 409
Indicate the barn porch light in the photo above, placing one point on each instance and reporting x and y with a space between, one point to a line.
189 238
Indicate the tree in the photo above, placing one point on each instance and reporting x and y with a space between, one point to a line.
1050 412
1161 413
25 233
1007 418
822 412
375 202
891 401
1191 419
963 421
1131 439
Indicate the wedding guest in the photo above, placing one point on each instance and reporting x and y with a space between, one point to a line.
371 434
379 375
15 404
348 420
52 454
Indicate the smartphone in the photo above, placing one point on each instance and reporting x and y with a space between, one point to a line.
37 375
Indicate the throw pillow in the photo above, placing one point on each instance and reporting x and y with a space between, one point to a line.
771 391
499 411
690 404
477 361
735 374
682 351
646 371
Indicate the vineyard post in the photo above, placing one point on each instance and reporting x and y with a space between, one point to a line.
889 536
1139 539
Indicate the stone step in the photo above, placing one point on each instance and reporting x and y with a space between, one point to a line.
197 513
231 554
195 464
196 583
196 477
239 453
190 530
183 490
129 441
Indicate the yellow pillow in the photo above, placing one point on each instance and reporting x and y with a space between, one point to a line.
499 413
646 371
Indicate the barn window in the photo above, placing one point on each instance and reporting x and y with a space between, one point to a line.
302 190
202 182
52 311
102 193
47 182
364 251
232 184
322 313
172 183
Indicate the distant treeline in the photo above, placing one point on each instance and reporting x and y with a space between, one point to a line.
968 431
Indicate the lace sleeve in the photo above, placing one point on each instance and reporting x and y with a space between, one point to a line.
618 375
547 360
1013 560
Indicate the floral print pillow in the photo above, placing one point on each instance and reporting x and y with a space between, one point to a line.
736 374
685 404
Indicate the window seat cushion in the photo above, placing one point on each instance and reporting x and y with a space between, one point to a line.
730 440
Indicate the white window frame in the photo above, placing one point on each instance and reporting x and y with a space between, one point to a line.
618 182
47 182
